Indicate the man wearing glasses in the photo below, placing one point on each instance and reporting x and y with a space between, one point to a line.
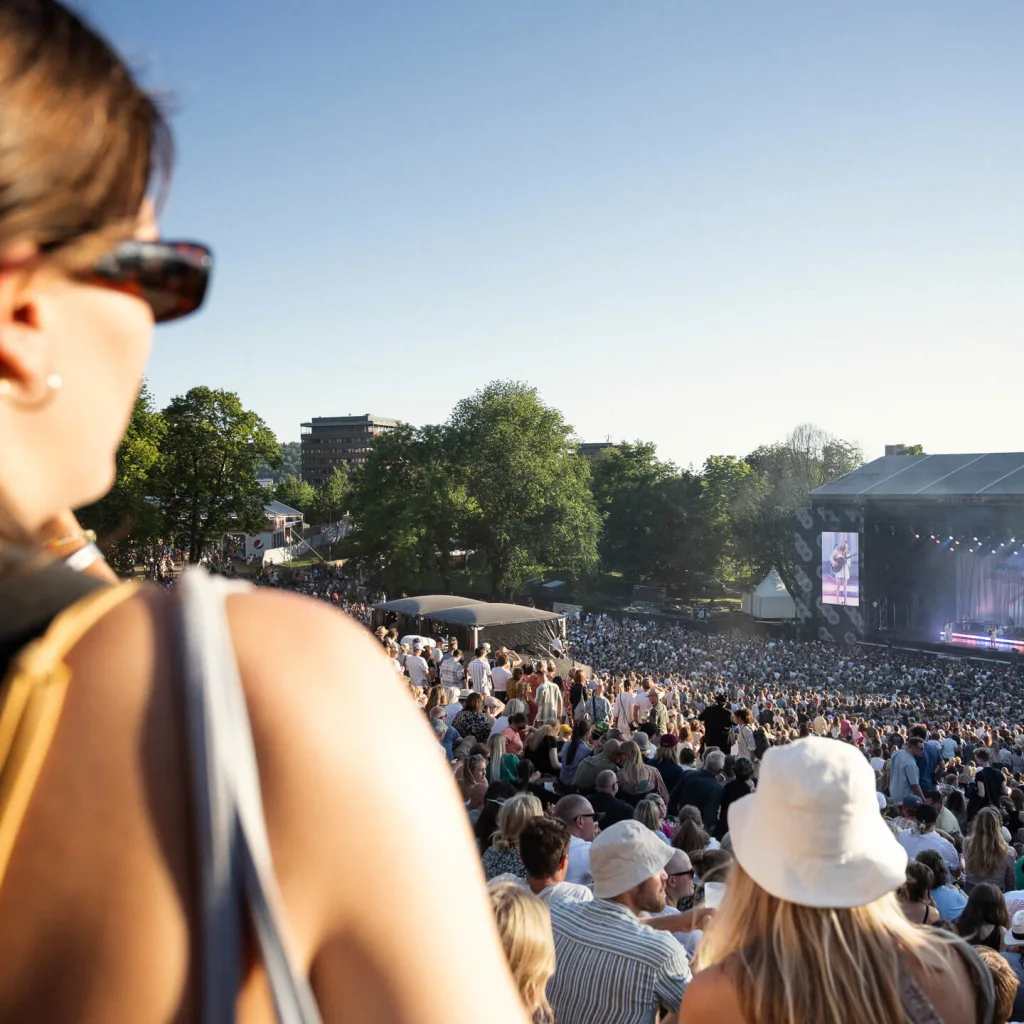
581 820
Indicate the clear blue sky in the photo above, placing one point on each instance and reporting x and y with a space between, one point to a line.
697 223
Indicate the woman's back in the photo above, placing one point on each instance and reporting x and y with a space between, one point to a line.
97 910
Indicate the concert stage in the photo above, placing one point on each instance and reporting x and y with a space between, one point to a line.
909 546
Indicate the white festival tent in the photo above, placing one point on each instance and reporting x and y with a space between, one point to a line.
770 600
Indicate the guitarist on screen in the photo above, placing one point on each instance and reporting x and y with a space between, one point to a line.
841 569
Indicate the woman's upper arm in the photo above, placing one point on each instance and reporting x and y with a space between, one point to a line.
711 996
340 846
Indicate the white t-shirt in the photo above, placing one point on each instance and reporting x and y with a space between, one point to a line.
914 843
877 763
451 710
565 892
417 669
500 677
578 871
623 710
642 703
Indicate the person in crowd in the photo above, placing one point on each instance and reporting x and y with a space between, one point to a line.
452 672
745 745
580 818
593 706
1013 953
691 838
988 787
701 789
985 918
678 889
924 837
987 855
1005 984
809 928
478 673
741 785
574 753
666 760
541 750
544 849
904 775
642 739
416 667
949 899
658 714
502 766
604 758
624 710
485 826
471 778
637 779
500 675
437 697
606 803
915 894
512 724
524 924
717 721
609 965
455 706
945 820
649 812
447 736
471 720
549 700
111 761
502 857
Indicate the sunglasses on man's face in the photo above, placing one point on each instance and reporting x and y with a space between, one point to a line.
680 874
172 277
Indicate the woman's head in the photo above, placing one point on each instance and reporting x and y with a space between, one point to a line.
498 744
524 924
474 702
690 837
82 144
919 883
933 861
648 812
631 762
494 799
744 769
437 697
986 908
515 813
986 848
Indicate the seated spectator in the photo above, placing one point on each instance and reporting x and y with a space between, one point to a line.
987 855
691 837
666 760
502 766
542 750
574 753
580 818
470 777
604 759
486 824
609 965
809 930
985 918
503 855
637 779
915 894
1013 945
606 803
643 741
471 720
544 849
701 789
742 785
1005 983
924 837
649 812
949 899
524 925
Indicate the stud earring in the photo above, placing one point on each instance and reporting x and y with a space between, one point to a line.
54 382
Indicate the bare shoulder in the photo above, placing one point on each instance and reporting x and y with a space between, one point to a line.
712 992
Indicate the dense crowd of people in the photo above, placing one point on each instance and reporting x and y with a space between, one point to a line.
662 832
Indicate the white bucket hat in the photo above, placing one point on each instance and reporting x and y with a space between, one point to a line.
812 834
624 856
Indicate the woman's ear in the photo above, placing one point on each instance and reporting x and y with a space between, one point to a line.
23 348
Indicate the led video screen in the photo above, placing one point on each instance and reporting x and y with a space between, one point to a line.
840 569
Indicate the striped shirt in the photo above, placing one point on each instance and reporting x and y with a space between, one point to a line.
479 676
452 672
612 968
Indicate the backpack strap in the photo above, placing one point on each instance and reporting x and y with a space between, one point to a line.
33 698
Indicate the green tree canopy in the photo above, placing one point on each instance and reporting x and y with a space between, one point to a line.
296 494
207 481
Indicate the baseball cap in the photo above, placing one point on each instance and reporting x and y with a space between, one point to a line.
911 800
668 740
624 856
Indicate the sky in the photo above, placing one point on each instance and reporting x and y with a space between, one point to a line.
687 222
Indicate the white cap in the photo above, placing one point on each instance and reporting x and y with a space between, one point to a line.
1015 936
812 834
624 856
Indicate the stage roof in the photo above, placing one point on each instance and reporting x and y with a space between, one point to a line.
997 476
483 614
424 605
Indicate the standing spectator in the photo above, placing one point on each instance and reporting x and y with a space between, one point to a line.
453 674
478 673
609 965
500 675
987 856
544 849
701 789
735 789
987 788
904 779
624 711
745 744
717 722
524 925
808 930
580 818
502 857
549 701
595 707
658 715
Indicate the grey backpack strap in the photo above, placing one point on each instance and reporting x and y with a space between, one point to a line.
236 872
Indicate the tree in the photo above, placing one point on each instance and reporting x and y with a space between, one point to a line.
128 509
529 505
726 483
330 498
207 481
296 494
290 463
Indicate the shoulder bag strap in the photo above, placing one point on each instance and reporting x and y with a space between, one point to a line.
236 868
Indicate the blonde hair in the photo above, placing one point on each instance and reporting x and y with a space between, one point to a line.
648 812
631 770
985 848
524 924
512 818
498 744
791 963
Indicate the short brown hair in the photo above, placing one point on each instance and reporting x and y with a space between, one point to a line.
1004 979
82 140
542 845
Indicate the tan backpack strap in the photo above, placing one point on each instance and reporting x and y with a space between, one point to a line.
31 704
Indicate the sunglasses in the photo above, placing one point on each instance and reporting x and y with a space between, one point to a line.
171 277
680 874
